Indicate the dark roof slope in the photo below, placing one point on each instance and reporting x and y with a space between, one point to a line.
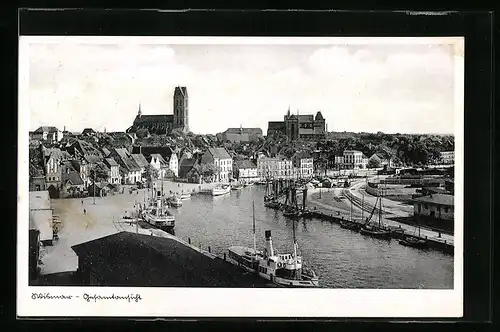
154 118
182 90
440 199
251 131
220 153
244 164
110 162
140 160
129 259
49 129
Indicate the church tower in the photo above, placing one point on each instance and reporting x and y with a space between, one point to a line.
181 118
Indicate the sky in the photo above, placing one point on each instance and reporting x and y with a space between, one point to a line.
359 87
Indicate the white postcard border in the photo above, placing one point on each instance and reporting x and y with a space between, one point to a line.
212 302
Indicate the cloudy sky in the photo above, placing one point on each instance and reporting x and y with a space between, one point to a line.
357 87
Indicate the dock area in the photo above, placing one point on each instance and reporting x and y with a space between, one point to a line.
98 247
333 204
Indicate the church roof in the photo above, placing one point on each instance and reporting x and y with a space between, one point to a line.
319 116
305 118
182 90
154 118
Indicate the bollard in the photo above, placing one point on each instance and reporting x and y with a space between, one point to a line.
189 240
426 237
444 241
209 249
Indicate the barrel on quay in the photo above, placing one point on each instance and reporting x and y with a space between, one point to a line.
129 259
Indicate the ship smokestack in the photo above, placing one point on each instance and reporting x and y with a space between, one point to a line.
269 243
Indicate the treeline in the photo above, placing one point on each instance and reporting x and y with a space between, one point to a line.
407 148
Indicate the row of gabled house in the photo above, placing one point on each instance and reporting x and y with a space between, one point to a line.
67 171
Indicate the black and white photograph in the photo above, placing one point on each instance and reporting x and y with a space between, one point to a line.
307 168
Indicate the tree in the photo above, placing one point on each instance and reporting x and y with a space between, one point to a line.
150 173
205 171
142 133
169 174
374 162
98 173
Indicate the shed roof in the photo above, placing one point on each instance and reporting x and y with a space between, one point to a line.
439 199
129 259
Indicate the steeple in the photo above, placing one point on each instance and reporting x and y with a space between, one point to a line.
140 112
288 113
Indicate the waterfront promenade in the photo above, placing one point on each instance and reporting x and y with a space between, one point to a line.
83 221
336 202
342 258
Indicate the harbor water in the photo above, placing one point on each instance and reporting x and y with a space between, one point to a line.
342 258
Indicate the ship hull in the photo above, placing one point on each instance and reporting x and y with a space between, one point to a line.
252 266
418 244
384 235
350 226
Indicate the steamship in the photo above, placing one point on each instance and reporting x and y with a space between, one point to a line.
285 270
157 214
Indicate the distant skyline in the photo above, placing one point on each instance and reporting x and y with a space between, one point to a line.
393 88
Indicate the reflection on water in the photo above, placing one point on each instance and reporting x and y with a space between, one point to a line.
342 258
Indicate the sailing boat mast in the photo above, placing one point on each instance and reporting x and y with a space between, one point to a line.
380 212
362 208
253 218
294 245
351 209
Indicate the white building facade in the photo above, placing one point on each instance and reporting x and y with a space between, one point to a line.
448 157
223 162
275 168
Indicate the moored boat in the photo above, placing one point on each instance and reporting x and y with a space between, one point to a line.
351 225
292 212
159 216
221 190
175 201
185 196
237 186
415 242
374 230
285 270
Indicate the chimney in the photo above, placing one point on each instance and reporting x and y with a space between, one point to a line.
269 243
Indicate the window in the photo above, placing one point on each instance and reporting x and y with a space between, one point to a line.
446 210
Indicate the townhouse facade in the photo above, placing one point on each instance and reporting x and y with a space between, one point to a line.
275 167
245 171
47 133
113 170
220 158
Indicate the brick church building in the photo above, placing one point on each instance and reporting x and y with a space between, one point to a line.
165 123
304 127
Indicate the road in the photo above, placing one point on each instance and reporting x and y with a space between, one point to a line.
355 193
